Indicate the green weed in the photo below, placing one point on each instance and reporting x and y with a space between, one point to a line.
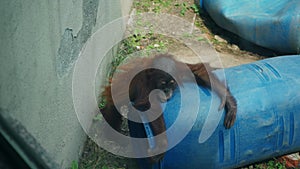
272 164
195 8
74 165
137 42
184 7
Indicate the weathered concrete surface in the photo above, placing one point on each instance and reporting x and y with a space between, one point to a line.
40 42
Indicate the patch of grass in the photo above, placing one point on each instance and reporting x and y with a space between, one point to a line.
164 3
184 7
155 6
272 164
137 42
94 157
74 165
201 39
142 6
102 103
195 8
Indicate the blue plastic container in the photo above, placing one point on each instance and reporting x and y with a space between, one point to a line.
273 24
267 125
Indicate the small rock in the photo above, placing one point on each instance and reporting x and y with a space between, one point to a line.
233 47
219 39
156 45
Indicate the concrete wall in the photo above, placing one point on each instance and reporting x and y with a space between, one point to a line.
39 43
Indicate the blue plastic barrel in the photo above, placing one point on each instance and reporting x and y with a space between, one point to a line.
273 24
267 125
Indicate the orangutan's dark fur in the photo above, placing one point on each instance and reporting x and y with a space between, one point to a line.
147 80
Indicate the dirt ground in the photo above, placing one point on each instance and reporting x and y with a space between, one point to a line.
229 48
